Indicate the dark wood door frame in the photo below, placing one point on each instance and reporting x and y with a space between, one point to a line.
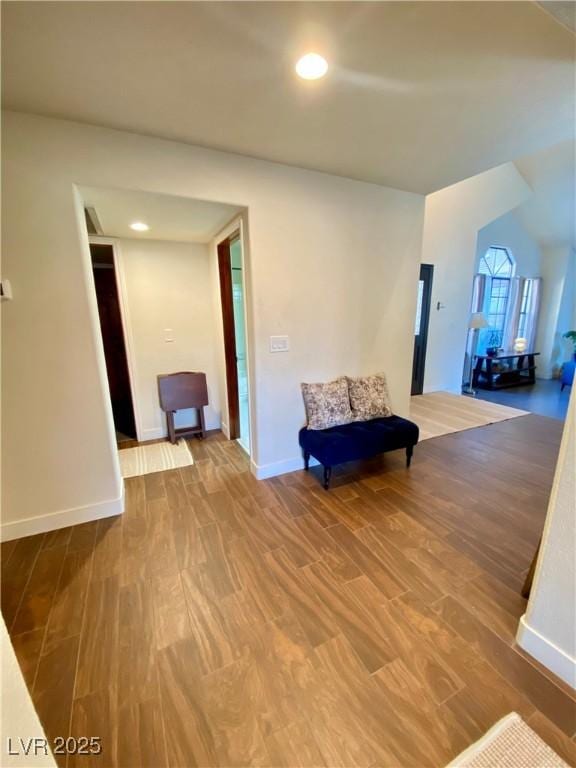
421 341
225 272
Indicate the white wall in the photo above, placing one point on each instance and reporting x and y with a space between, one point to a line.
332 262
452 220
508 232
548 629
18 718
168 285
557 309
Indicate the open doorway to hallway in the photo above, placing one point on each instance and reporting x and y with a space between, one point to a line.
421 327
160 254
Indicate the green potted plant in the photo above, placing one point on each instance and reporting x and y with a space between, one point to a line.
572 336
569 368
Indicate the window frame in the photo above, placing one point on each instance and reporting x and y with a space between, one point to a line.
499 277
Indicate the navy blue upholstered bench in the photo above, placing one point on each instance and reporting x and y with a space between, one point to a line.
358 440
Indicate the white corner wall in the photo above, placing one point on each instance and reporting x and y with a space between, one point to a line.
548 629
558 310
18 718
59 458
168 285
452 220
333 264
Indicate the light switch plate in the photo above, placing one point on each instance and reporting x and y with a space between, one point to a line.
5 290
168 335
279 344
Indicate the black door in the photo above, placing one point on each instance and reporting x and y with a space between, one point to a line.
113 339
421 327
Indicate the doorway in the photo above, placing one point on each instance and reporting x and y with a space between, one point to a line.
109 314
232 294
421 327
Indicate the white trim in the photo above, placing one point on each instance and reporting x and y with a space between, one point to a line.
263 471
546 652
154 433
62 519
244 447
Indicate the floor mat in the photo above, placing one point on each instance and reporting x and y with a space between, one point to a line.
156 457
441 413
509 744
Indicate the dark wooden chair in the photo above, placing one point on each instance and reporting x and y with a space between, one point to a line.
180 391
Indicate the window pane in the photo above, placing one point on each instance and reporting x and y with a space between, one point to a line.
496 261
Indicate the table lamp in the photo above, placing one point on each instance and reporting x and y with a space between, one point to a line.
476 322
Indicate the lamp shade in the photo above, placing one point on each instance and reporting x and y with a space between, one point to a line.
478 320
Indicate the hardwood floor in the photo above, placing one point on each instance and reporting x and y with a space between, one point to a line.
223 621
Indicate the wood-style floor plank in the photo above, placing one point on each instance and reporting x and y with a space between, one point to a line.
37 596
99 658
16 571
189 737
27 647
141 735
96 714
54 687
233 699
226 621
70 599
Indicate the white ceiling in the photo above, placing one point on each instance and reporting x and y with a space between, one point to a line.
549 214
169 218
419 95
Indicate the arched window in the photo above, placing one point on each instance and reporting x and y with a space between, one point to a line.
497 264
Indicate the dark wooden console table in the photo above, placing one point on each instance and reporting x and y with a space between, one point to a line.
509 369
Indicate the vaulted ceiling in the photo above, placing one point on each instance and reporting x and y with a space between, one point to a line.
549 214
419 95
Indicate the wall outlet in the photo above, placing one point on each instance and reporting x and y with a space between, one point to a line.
279 344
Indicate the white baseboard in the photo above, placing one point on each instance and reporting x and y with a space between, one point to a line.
263 471
546 652
156 433
55 520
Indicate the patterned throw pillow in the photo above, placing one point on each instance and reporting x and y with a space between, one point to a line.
327 405
369 398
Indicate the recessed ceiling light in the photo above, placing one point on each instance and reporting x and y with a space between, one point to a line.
139 226
312 66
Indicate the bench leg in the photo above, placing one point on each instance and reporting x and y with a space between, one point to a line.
306 460
327 476
409 452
